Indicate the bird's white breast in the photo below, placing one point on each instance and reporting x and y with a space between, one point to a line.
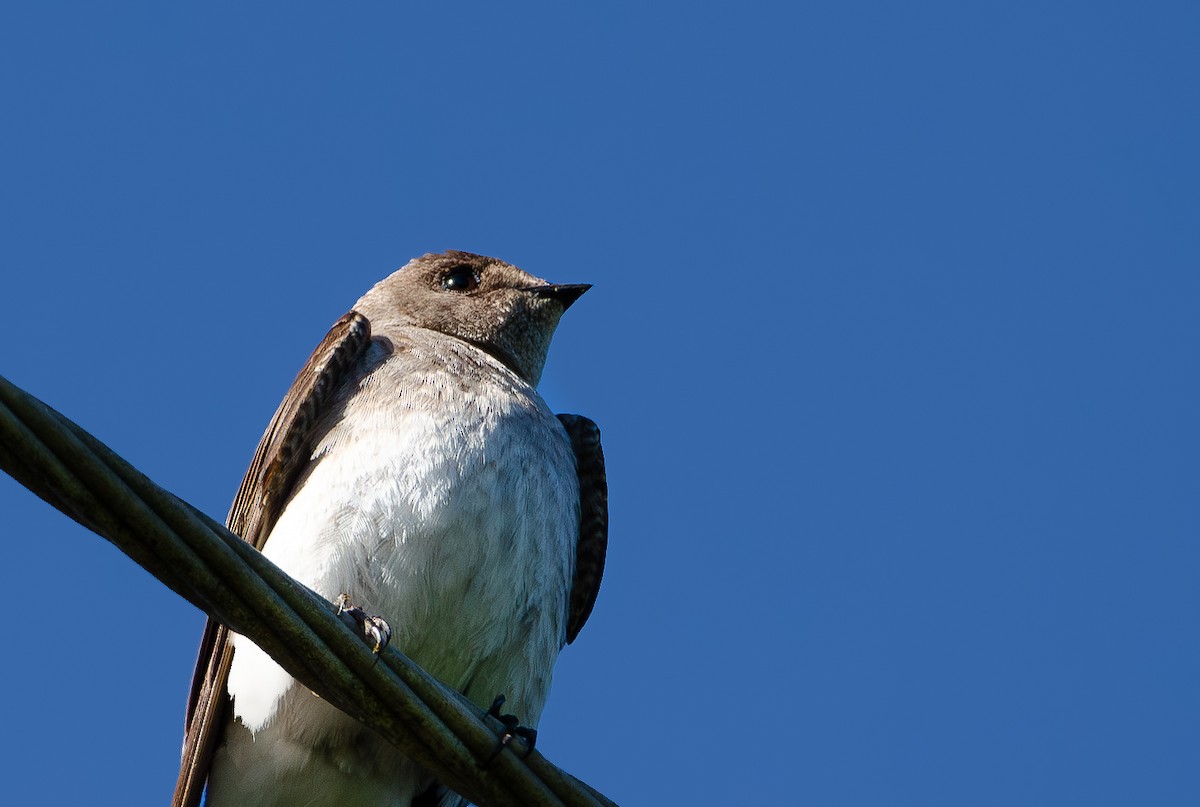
448 508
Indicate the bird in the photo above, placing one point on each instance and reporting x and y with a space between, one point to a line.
413 465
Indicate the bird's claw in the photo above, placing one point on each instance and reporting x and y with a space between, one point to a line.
512 728
374 628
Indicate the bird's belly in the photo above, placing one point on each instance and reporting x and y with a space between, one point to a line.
461 538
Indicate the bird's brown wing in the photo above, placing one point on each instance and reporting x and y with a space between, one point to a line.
282 454
593 520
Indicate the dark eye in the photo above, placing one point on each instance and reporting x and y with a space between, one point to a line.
460 278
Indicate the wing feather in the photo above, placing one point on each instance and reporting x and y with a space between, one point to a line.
278 462
593 520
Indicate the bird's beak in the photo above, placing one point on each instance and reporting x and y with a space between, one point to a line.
565 293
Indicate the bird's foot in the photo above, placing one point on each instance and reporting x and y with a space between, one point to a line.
373 627
512 728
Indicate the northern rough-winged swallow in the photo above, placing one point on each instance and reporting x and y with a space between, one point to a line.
413 465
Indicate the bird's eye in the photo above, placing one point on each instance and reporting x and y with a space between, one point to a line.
460 278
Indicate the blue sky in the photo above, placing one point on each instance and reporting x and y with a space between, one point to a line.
893 340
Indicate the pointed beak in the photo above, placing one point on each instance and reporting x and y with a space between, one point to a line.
565 293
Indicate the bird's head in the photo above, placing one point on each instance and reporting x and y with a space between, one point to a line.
493 305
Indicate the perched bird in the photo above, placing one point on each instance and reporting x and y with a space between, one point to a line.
413 465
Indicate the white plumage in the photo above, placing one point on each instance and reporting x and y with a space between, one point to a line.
451 511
